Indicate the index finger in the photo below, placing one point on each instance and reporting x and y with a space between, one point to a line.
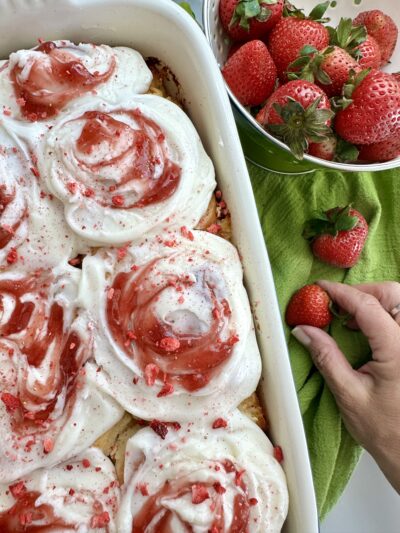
377 325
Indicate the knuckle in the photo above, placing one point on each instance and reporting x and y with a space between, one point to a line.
368 300
322 356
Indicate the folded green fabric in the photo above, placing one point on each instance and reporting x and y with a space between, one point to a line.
284 204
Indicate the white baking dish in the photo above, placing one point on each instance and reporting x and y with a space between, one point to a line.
160 28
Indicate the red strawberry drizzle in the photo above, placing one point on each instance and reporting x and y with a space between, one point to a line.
161 518
55 77
133 155
132 308
34 330
21 517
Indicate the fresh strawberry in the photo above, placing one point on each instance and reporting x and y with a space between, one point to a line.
382 28
329 69
244 20
251 73
298 113
369 53
380 152
374 112
337 236
292 34
357 43
309 306
325 149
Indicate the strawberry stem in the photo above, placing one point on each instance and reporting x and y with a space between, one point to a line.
300 126
247 10
330 223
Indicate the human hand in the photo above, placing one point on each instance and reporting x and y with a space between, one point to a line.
368 398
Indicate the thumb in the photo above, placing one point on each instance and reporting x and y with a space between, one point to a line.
344 382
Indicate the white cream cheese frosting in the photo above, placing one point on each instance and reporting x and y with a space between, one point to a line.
173 333
50 406
122 170
40 82
81 494
202 479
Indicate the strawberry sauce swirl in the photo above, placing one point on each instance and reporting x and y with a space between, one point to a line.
81 495
195 479
121 170
13 215
51 78
46 355
121 166
175 316
185 354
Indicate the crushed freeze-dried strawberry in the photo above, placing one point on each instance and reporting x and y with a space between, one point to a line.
175 425
18 489
85 463
278 453
166 390
160 428
253 501
71 492
151 372
12 256
35 172
48 445
7 112
100 520
10 401
72 186
219 423
143 488
121 253
169 344
199 493
233 340
110 294
89 193
219 489
187 233
131 336
118 200
214 228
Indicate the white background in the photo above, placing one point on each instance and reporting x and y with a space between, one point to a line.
369 504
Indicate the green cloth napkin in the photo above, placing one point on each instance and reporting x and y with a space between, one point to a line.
284 203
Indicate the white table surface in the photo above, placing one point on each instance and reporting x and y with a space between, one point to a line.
369 504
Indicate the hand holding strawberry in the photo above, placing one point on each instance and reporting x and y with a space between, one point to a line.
337 236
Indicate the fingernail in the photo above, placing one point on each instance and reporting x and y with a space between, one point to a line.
299 334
